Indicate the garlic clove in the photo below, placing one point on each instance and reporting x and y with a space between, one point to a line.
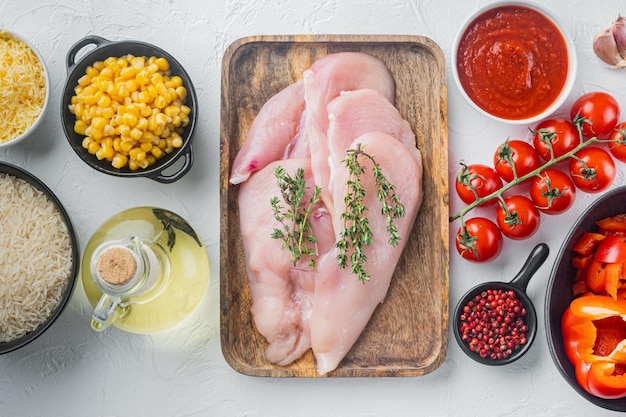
605 47
619 33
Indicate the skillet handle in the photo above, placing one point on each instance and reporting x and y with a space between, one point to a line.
70 60
187 163
536 258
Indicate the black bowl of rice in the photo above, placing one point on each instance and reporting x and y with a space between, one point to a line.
38 259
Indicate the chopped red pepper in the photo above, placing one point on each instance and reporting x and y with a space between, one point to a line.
582 262
613 224
596 275
613 273
611 249
587 243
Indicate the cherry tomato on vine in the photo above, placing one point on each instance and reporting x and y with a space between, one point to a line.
618 146
479 240
597 111
477 180
592 169
552 191
557 135
518 155
518 218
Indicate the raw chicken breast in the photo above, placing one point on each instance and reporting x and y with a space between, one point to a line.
281 293
271 132
343 71
354 113
342 304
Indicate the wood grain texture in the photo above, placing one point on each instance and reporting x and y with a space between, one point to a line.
408 333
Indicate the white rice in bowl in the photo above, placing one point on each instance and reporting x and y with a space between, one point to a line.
35 257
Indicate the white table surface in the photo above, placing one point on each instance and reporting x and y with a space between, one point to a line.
73 371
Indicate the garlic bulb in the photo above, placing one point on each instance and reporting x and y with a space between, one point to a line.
610 44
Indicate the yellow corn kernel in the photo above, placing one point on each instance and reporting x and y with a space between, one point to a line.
127 73
156 151
176 81
105 152
181 92
177 140
119 160
104 101
132 85
80 127
137 154
152 91
142 124
90 100
143 163
84 80
146 147
122 61
91 71
162 64
99 123
107 73
97 134
151 159
171 111
132 165
152 68
108 112
99 65
123 130
129 119
138 62
147 137
86 141
116 144
126 145
144 110
136 133
109 130
93 147
186 110
142 77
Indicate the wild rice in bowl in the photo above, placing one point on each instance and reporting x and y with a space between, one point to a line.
35 257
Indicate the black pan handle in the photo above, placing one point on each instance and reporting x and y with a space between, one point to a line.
70 60
536 258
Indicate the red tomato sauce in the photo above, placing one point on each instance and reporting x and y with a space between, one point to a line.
512 62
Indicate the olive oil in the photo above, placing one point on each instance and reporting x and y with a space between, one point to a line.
177 253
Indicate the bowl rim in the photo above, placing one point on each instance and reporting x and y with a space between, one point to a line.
609 404
156 171
46 103
14 170
569 43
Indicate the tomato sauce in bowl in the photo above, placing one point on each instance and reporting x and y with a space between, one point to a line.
513 62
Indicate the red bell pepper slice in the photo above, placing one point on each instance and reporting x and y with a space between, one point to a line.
587 243
594 336
611 250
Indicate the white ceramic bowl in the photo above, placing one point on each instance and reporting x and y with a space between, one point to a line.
46 104
571 72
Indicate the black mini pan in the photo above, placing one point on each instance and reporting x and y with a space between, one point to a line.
518 284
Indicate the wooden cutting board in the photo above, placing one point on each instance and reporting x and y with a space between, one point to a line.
408 333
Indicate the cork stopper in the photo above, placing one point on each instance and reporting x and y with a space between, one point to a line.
116 265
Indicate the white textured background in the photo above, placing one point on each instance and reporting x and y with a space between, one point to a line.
72 371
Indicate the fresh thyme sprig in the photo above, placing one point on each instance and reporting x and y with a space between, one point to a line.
356 232
296 230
